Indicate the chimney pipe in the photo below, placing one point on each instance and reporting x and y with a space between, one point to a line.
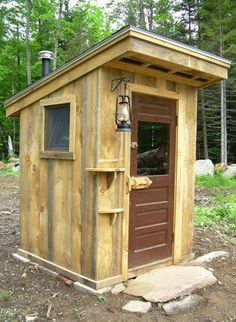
45 56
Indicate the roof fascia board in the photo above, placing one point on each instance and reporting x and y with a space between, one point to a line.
110 41
167 42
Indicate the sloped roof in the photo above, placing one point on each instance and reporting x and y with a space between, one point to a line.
135 50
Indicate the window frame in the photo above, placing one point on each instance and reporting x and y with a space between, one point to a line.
54 102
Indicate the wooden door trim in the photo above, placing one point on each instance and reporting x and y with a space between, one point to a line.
148 90
163 118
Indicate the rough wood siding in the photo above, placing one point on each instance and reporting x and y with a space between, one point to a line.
61 200
29 182
112 153
51 190
185 176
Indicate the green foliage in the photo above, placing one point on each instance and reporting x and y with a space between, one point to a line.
215 181
4 294
101 298
85 24
9 172
209 216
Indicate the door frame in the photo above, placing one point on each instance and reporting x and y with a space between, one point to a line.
126 272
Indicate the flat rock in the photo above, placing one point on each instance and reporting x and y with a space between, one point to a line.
165 284
209 257
137 306
118 288
185 304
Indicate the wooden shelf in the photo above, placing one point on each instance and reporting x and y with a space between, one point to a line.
111 173
105 169
112 212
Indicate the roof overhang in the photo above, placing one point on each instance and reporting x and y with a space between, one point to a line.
134 50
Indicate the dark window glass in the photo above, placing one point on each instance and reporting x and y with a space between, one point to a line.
153 147
57 123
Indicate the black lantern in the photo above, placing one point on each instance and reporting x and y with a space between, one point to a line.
123 113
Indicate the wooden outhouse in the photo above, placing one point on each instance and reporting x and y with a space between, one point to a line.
97 204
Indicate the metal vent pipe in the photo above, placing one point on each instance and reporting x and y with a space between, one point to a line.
46 56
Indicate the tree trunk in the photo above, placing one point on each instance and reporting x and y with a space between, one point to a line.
222 97
223 123
204 126
56 42
27 42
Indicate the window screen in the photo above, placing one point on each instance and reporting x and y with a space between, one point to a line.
57 125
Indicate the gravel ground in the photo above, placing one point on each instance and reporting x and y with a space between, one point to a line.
25 290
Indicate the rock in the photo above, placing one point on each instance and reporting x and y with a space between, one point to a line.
118 288
8 213
203 167
48 271
32 317
2 165
14 160
209 257
185 304
65 280
16 167
221 167
165 284
231 171
21 258
137 306
86 289
9 165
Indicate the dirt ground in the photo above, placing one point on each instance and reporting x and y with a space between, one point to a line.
31 291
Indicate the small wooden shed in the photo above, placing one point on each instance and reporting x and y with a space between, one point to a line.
98 205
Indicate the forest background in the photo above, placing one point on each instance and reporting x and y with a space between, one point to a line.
69 27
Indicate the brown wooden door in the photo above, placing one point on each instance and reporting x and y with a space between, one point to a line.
152 155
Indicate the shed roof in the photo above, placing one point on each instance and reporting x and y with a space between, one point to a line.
134 50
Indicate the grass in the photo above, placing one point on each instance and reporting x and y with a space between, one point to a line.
9 172
209 216
223 209
4 294
216 181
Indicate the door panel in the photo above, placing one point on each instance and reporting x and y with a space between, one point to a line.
151 209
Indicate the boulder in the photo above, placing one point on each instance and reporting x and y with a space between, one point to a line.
221 167
203 167
231 171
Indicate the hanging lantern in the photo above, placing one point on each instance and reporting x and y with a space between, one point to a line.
123 113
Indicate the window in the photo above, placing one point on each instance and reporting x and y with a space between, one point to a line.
58 128
153 148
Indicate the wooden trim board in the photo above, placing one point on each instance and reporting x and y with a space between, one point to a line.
75 277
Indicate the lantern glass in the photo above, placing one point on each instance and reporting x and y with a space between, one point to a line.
123 113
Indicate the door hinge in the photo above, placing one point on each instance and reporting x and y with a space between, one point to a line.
176 120
173 237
